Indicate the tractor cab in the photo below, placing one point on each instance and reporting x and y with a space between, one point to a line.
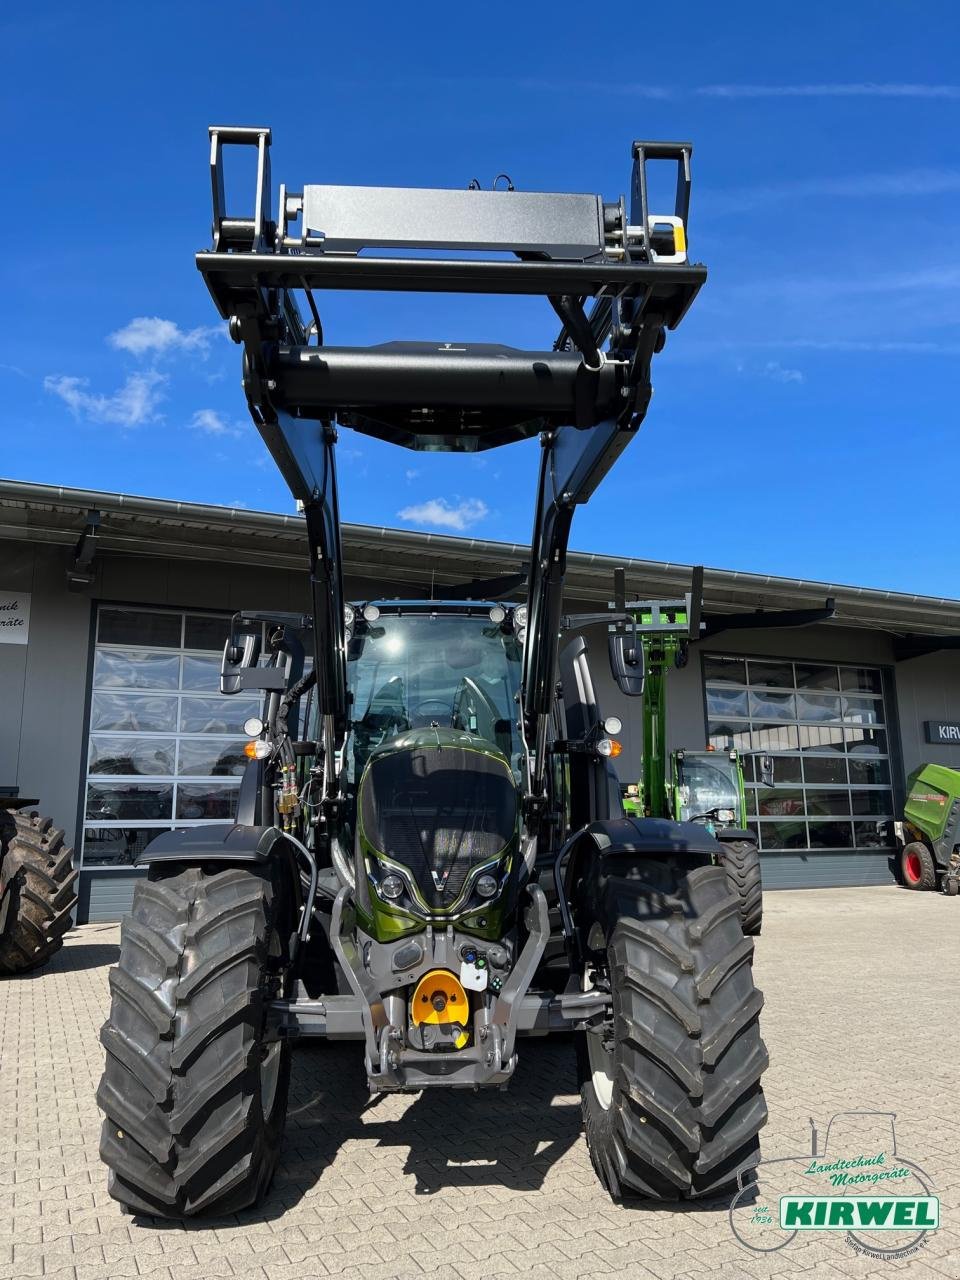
708 788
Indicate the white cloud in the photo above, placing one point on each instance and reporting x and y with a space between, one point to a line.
411 473
775 371
861 89
439 513
906 182
154 335
212 423
133 404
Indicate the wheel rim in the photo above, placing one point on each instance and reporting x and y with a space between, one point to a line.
914 869
269 1079
599 1058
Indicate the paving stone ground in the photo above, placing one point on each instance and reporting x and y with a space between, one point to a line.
862 1013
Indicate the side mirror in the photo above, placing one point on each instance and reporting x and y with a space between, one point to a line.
626 663
239 670
765 767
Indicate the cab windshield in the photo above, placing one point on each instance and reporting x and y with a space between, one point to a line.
707 783
417 670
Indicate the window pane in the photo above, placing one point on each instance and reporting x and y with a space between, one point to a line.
117 801
207 800
775 706
872 835
818 706
866 741
780 802
750 794
785 769
863 710
869 770
116 846
726 701
148 756
133 713
202 673
815 677
831 835
817 737
209 758
862 678
133 669
725 670
724 735
828 802
777 674
825 769
782 835
216 715
206 633
872 801
135 626
774 737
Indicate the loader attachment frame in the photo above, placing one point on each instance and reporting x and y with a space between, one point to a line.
617 282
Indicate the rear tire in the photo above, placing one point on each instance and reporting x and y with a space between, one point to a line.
741 860
194 1094
37 891
917 869
684 1104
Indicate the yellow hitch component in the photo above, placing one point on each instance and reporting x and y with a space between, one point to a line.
679 239
440 999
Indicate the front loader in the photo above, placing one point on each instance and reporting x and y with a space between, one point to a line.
437 788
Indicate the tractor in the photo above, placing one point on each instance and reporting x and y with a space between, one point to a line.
703 787
37 885
430 855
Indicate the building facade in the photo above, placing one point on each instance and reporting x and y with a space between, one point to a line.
114 610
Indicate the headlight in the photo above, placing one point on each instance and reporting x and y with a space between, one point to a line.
370 613
520 616
726 815
612 725
253 727
348 615
486 886
521 634
390 887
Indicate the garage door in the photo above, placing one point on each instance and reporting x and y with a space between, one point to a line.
826 819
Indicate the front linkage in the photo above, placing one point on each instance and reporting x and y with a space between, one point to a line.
417 801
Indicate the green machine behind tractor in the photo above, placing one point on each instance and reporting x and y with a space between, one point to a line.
704 787
928 837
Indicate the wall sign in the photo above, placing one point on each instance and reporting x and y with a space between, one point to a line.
14 617
946 732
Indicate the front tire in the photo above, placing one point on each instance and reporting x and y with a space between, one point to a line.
741 860
194 1092
917 869
37 891
682 1053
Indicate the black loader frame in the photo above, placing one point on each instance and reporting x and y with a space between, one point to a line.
624 929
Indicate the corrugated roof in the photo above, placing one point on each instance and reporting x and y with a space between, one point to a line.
137 525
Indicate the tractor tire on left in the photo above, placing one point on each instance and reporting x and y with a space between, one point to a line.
37 891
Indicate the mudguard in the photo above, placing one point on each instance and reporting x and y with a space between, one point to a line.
614 848
229 842
735 833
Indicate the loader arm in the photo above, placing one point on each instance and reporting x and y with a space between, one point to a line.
584 394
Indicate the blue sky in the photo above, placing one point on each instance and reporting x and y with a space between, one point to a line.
805 411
